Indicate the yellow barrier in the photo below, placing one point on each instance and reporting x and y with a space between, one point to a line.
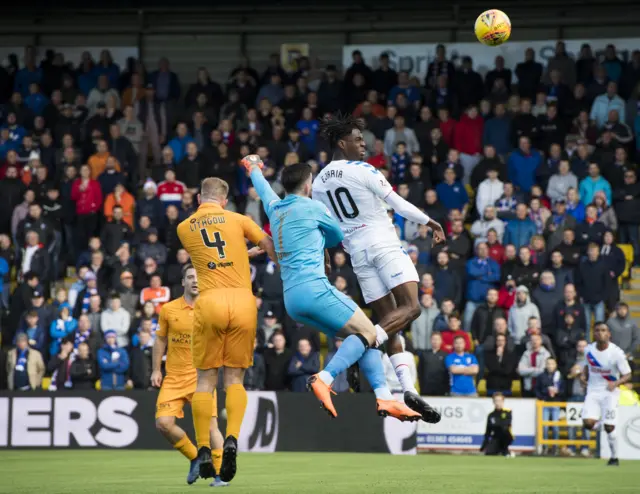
541 424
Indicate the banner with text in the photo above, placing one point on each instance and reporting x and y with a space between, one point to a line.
273 422
464 423
415 58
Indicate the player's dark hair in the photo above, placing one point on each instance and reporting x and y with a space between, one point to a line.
336 127
186 268
601 323
497 394
294 176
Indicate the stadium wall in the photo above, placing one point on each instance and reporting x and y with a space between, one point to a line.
273 422
191 38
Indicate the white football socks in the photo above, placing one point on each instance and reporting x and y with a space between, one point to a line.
612 438
383 393
325 377
381 335
401 364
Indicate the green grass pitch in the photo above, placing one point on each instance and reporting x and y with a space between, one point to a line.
117 472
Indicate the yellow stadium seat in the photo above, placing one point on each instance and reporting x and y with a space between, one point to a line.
470 192
323 340
46 382
627 250
98 386
482 387
515 388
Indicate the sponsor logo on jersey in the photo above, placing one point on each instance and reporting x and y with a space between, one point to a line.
596 367
397 274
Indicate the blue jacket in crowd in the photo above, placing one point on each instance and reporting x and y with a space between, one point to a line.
4 269
577 211
497 132
299 375
519 232
37 339
113 372
482 274
588 188
602 105
24 78
452 196
521 169
16 134
308 139
61 329
36 103
179 147
111 71
546 380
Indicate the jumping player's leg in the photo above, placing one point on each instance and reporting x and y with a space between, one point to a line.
207 345
237 357
396 311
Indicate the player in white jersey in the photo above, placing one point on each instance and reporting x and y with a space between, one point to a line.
356 193
606 370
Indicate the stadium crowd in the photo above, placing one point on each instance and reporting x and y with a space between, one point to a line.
535 183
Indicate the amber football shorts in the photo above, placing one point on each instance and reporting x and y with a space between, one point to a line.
174 395
224 329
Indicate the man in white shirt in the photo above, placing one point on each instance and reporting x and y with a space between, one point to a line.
606 370
356 193
489 191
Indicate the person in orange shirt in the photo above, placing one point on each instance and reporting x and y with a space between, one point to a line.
177 387
120 197
370 107
225 316
98 161
134 93
155 293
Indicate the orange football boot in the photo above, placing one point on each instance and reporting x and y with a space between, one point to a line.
400 411
323 393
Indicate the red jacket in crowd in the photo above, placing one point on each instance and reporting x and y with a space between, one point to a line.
468 135
448 130
449 336
496 252
89 200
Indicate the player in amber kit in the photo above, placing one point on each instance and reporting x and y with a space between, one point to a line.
179 384
225 315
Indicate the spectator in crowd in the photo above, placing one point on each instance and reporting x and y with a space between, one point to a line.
547 295
60 366
35 258
613 257
520 312
550 388
592 184
561 182
605 103
463 367
483 273
270 325
276 360
557 223
523 164
454 330
25 366
63 327
155 292
566 338
531 365
433 375
592 283
489 190
140 369
482 324
422 327
83 369
481 227
35 329
501 362
113 362
520 229
624 331
303 365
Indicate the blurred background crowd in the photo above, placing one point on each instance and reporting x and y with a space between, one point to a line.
535 183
